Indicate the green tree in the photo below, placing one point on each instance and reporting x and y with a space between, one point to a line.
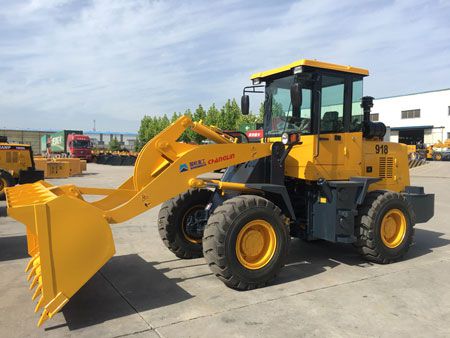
114 145
247 119
230 114
212 116
188 134
163 123
175 116
229 117
277 108
142 133
150 127
199 115
261 113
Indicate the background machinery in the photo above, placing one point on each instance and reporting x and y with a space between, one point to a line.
71 143
321 171
439 151
16 165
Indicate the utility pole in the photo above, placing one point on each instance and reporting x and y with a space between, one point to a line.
94 126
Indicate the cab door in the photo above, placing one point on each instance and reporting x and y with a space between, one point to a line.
331 138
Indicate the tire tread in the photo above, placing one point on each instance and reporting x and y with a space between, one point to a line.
215 233
366 242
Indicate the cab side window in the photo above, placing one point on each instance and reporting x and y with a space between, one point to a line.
356 119
332 104
304 125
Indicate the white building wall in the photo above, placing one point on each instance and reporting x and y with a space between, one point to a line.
394 136
128 139
434 110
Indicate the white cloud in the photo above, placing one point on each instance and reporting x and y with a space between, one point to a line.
64 63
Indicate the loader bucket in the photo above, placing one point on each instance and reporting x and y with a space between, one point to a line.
68 239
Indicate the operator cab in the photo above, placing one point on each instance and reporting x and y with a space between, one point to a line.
311 97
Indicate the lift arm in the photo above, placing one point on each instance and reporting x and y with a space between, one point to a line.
70 239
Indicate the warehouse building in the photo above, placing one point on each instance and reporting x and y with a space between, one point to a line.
99 139
420 117
32 137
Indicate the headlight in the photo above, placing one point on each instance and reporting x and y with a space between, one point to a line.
292 138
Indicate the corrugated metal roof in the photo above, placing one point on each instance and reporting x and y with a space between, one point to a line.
412 128
424 92
49 131
109 132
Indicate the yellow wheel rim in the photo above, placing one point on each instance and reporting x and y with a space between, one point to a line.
393 228
183 224
255 244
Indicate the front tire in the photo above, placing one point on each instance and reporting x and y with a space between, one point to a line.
246 242
385 227
6 180
180 224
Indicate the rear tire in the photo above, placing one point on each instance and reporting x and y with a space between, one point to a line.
6 180
177 225
385 227
246 242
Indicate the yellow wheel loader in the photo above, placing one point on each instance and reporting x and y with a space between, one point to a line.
16 165
321 171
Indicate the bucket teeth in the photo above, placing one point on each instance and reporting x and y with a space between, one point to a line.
35 269
39 304
30 263
37 292
32 272
37 279
52 307
44 317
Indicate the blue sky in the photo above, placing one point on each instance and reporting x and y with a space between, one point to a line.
64 63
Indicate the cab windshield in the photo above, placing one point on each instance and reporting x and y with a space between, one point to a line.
279 109
81 144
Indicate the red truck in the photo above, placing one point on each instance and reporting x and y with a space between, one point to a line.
69 142
255 135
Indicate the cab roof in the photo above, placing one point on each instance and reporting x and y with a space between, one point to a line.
310 63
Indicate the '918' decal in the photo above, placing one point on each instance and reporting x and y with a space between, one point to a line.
381 149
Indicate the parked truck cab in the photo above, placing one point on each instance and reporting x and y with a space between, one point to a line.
79 146
67 142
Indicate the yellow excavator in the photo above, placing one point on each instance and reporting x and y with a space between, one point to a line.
321 171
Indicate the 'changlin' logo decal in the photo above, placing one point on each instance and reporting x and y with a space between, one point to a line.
203 162
219 159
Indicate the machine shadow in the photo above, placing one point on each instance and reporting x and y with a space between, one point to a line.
125 285
13 247
425 241
307 259
128 284
86 174
3 210
311 258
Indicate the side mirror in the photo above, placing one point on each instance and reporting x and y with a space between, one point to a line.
296 99
245 104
